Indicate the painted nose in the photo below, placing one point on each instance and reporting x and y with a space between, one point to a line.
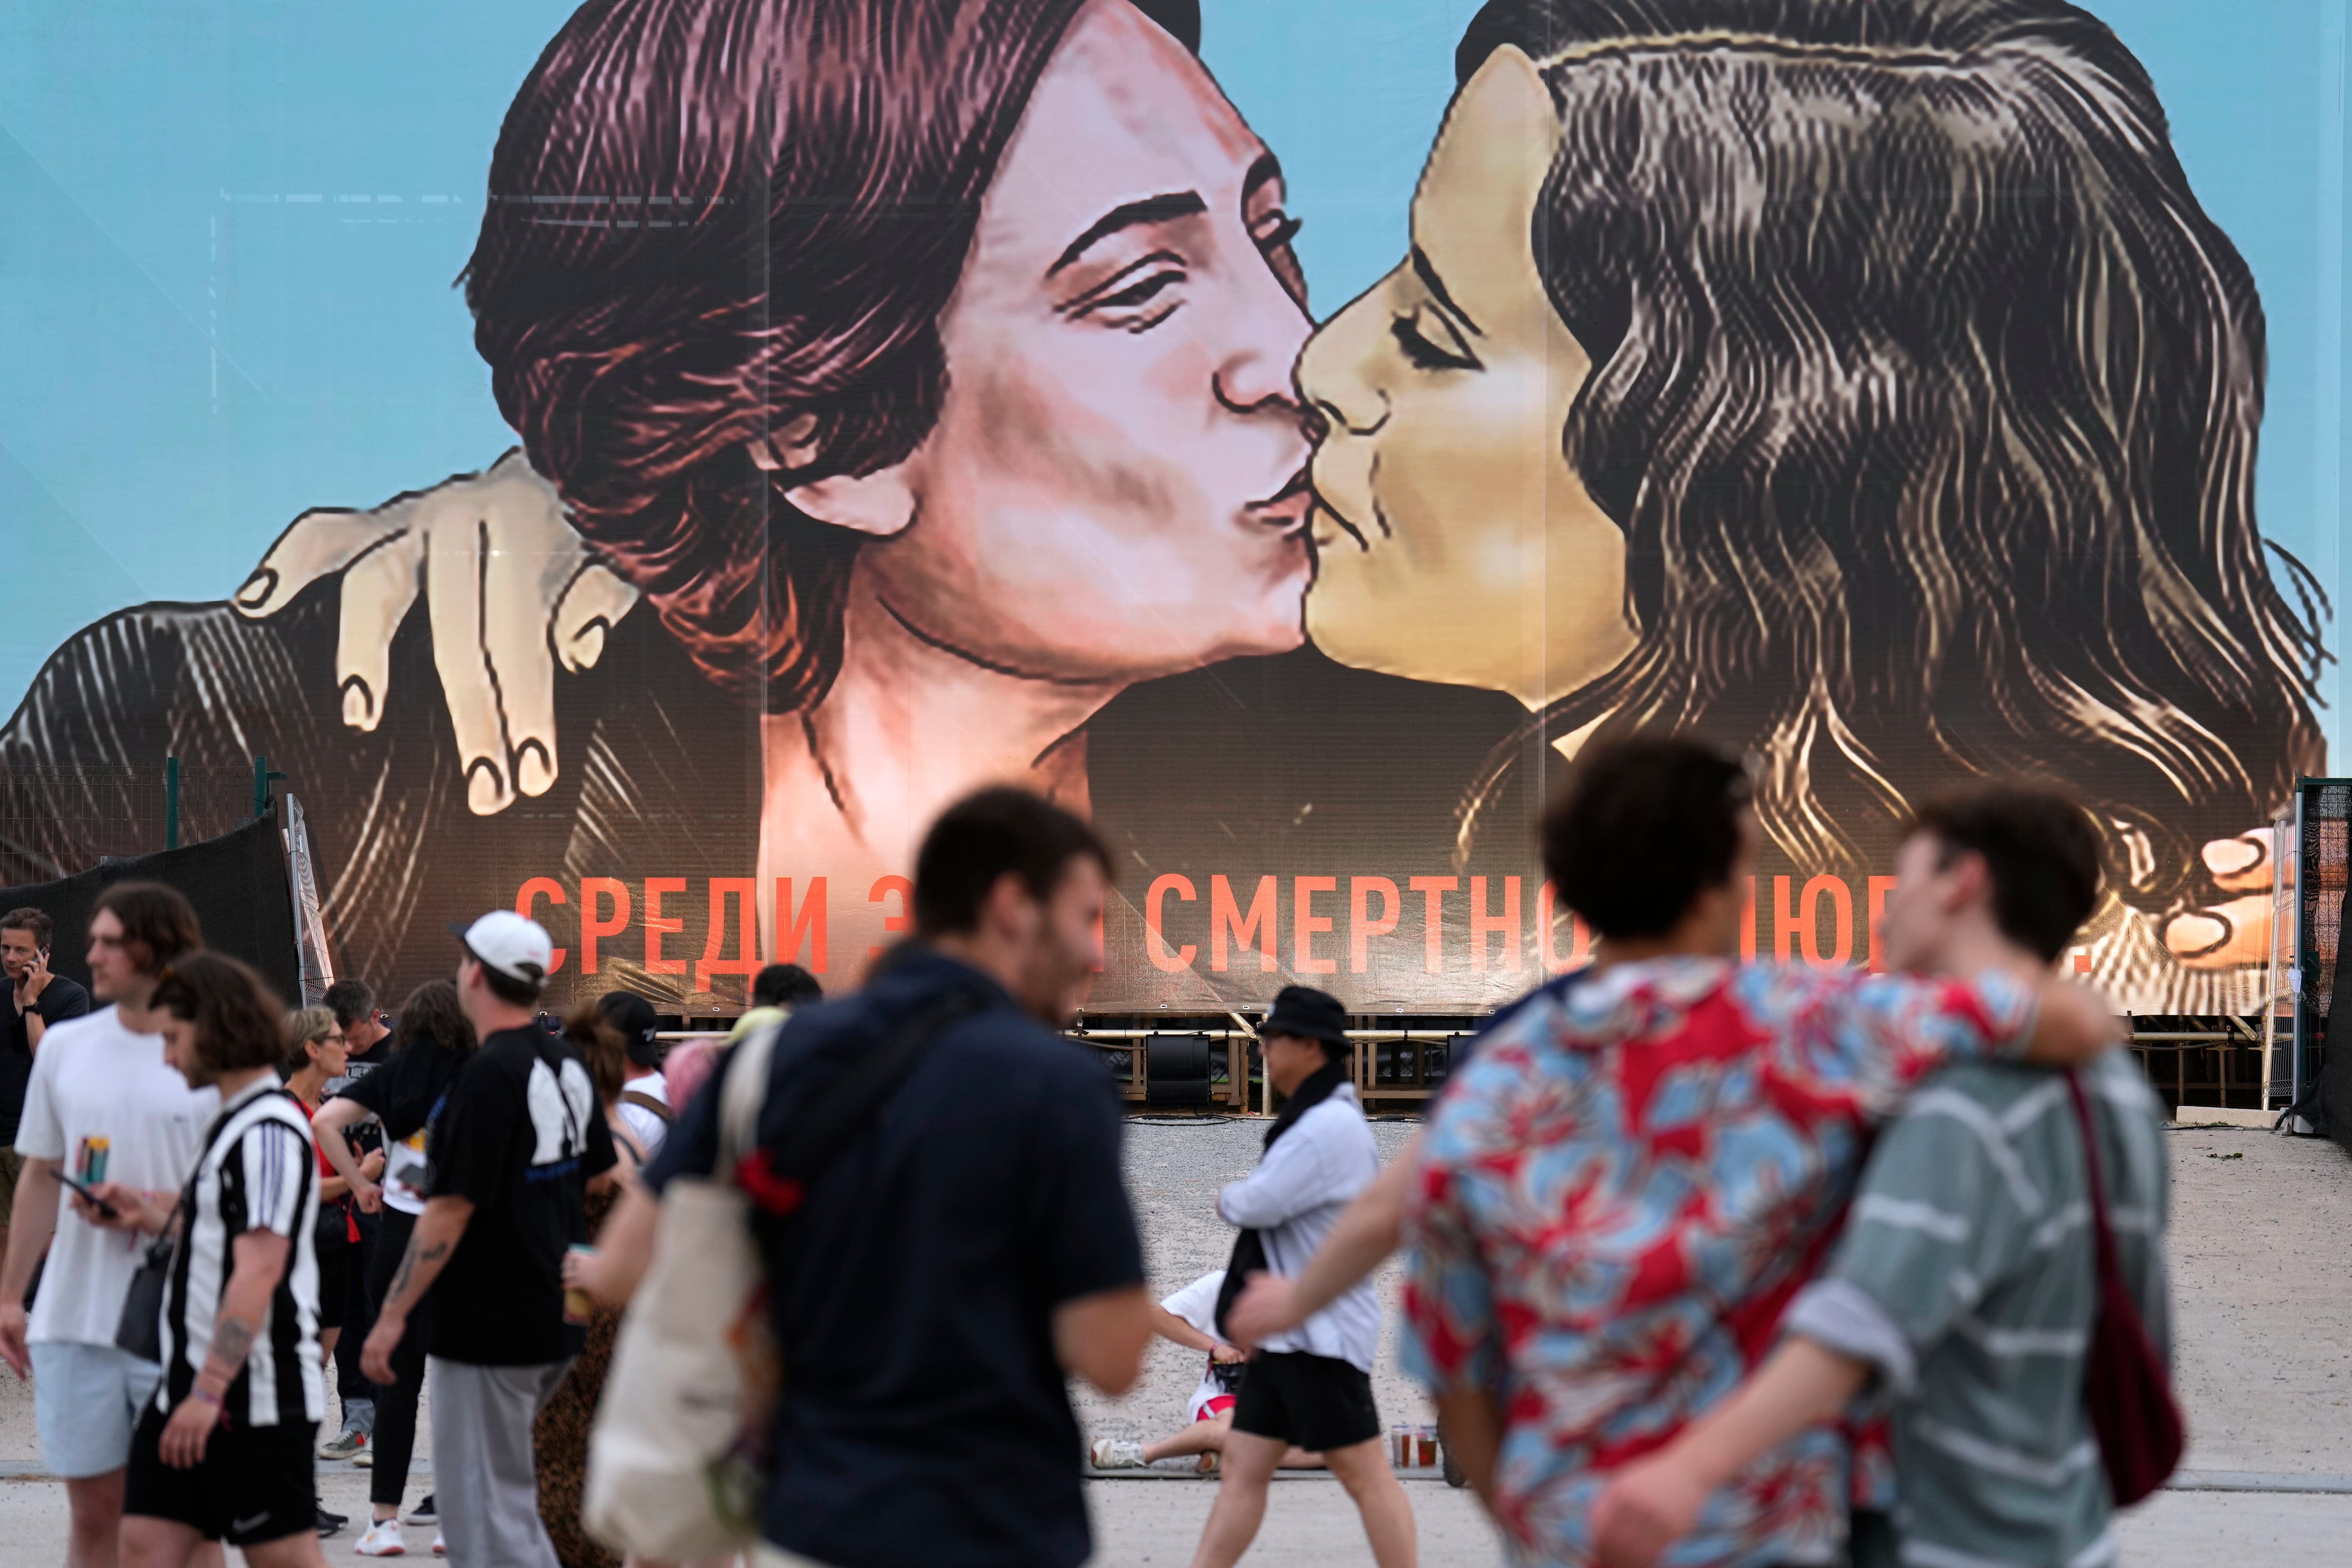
1332 379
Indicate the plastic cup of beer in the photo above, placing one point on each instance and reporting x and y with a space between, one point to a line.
1425 1441
577 1307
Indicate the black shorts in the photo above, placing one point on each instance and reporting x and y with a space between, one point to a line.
1317 1402
254 1484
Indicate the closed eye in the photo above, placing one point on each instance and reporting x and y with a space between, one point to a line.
1422 345
1134 299
1138 292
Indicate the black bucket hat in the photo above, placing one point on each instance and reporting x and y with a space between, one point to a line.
1302 1010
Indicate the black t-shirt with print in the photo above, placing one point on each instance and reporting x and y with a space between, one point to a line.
404 1090
520 1135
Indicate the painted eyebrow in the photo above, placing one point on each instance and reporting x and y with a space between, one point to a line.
1429 280
1268 167
1149 210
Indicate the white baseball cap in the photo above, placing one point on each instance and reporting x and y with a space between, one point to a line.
518 948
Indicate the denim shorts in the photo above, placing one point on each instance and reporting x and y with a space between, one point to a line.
87 1401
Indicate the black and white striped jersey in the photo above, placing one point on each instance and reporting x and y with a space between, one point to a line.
257 1172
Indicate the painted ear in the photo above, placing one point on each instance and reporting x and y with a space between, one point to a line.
879 503
1511 88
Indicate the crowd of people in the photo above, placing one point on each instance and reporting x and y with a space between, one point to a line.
1710 1262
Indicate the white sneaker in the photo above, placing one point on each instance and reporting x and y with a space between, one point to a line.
381 1540
1116 1454
440 1544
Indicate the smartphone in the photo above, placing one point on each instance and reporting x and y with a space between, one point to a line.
101 1205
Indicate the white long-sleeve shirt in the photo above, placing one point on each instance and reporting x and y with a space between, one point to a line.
1293 1199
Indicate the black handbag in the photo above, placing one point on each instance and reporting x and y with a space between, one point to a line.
333 1229
141 1331
1248 1259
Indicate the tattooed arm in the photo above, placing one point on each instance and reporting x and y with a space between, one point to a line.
259 1259
435 1236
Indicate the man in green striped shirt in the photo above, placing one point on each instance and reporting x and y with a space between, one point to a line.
1965 1284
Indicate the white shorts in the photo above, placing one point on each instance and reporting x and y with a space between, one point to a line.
86 1400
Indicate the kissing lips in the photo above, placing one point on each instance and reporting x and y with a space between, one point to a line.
1329 523
1285 511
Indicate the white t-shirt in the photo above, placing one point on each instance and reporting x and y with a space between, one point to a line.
650 1129
404 1172
105 1105
1197 1305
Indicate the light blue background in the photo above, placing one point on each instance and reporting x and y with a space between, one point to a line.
228 230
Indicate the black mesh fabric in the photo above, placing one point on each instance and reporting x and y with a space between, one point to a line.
237 882
2325 993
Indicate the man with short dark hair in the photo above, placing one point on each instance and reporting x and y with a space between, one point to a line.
40 999
1966 1282
785 985
1310 1388
353 1002
1621 1191
514 1152
780 988
981 1204
103 1104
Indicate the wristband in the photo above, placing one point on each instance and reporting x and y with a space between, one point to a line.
214 1400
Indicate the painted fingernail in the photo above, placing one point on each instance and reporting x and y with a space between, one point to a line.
257 589
588 645
359 704
486 788
2228 857
2194 932
533 770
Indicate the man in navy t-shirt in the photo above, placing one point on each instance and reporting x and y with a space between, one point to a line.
973 1245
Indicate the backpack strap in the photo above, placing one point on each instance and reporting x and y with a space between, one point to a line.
647 1103
777 1176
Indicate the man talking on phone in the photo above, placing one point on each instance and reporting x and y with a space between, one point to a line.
40 999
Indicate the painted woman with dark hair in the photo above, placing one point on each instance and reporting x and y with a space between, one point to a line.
926 367
1860 384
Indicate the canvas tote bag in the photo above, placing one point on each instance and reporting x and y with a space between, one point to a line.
676 1461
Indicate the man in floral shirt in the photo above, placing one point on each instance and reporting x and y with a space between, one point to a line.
1633 1175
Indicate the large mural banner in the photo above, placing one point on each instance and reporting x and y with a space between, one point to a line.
845 403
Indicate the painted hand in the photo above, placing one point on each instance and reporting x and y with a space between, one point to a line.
2236 932
1646 1506
512 592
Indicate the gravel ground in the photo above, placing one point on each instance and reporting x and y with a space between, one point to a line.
2262 1252
1174 1169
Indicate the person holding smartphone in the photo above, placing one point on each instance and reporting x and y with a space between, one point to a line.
40 999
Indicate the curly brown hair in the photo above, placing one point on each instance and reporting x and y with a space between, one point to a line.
239 1022
1927 394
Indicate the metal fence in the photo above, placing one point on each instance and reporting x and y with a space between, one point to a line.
58 821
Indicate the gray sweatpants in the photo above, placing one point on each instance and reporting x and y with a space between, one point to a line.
483 1477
